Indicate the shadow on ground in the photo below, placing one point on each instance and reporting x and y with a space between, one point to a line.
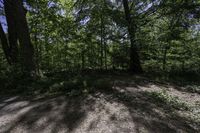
116 110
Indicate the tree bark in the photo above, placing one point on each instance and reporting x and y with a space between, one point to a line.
18 31
164 58
102 39
4 43
135 65
12 31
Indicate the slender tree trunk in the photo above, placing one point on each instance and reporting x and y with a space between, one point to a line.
83 59
164 58
37 48
105 56
102 40
135 65
37 52
183 66
5 46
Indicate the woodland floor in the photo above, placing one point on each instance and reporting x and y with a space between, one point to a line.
131 105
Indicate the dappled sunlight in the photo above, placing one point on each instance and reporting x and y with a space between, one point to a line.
65 114
113 105
39 115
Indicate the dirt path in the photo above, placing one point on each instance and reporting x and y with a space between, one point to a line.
125 109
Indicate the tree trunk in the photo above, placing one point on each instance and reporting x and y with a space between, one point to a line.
164 58
12 31
18 31
102 40
5 45
135 65
27 50
105 57
83 59
36 52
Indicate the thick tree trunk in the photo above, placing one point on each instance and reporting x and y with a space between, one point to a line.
27 50
18 31
135 65
4 43
12 31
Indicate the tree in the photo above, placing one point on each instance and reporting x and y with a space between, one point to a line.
18 31
135 65
12 31
5 45
100 34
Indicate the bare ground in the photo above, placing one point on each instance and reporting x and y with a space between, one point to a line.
125 109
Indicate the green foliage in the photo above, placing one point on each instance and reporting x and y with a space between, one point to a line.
92 35
75 35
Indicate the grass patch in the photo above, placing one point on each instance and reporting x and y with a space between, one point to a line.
167 100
